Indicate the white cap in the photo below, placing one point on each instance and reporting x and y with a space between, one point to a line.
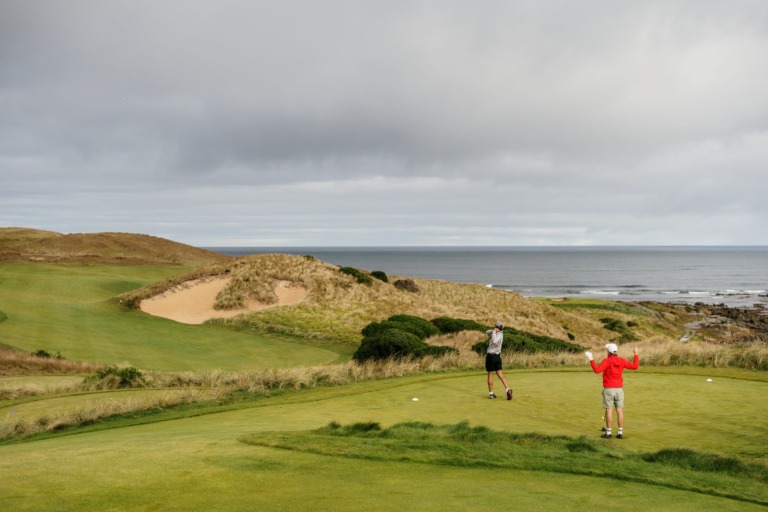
612 348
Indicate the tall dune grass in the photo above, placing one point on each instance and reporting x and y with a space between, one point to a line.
90 412
219 384
17 362
659 352
753 356
652 353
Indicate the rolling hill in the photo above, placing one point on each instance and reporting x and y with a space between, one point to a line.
22 244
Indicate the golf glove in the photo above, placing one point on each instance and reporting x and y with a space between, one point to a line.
589 355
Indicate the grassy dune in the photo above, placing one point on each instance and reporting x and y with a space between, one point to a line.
337 306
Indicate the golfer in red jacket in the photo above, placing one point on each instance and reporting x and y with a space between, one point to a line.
612 369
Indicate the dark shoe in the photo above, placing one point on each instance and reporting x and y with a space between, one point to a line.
619 436
509 394
491 396
603 429
606 436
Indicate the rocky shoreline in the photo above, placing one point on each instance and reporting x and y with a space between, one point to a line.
725 324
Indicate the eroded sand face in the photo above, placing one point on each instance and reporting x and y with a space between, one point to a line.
192 302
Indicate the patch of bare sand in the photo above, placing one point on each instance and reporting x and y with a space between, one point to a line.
192 302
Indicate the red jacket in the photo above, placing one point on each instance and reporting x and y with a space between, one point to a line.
613 366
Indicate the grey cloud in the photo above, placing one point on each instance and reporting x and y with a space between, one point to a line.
576 114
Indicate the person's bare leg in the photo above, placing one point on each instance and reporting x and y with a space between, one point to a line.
620 417
490 382
503 380
608 418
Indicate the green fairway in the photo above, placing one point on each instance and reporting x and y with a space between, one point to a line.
201 463
67 309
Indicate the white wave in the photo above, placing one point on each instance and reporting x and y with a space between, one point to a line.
742 292
600 292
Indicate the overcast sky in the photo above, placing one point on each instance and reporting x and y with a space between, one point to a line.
370 123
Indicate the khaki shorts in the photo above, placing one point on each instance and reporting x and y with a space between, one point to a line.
613 397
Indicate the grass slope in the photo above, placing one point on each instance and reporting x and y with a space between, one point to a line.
69 309
21 244
197 462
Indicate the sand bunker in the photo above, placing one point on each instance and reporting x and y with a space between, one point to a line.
192 302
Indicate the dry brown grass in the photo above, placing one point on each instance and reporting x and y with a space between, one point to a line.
653 352
213 385
27 390
17 362
10 237
114 248
311 376
91 411
664 352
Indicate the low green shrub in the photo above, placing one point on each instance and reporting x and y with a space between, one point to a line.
380 275
390 343
419 327
408 285
44 354
521 341
399 336
376 328
447 325
357 274
620 327
115 377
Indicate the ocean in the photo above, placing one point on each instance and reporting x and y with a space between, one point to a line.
735 276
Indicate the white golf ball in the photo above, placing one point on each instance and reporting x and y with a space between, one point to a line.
415 399
709 380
